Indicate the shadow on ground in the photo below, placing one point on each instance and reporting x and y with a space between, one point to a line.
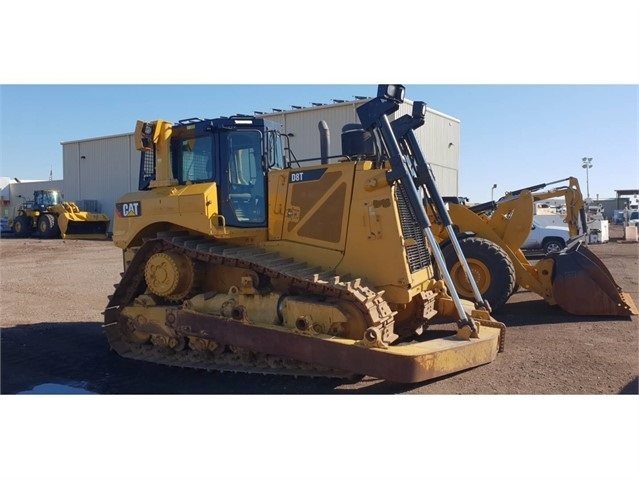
58 357
632 387
537 311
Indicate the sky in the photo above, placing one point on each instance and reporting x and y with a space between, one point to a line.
537 86
511 135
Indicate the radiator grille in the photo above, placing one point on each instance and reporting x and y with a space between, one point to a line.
418 255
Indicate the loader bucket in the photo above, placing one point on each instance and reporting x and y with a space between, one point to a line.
583 285
89 227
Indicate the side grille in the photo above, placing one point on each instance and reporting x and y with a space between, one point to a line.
418 255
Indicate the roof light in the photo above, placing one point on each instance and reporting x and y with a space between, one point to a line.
419 110
391 92
243 122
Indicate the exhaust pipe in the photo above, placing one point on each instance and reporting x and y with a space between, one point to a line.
325 141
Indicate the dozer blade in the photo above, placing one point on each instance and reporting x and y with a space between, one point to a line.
85 229
584 286
405 363
413 362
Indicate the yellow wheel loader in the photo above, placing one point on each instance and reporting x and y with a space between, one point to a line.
47 216
491 236
235 259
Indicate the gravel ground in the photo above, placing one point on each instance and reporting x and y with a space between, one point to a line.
514 417
54 292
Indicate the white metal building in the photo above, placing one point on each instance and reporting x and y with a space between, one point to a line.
97 171
100 169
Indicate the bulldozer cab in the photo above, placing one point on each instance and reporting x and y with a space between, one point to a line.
235 153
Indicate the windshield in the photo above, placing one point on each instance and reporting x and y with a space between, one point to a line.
46 198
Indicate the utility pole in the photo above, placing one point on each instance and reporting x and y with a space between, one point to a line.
587 164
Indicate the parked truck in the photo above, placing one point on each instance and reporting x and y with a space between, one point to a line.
548 238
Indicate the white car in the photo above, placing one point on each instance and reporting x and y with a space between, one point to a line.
633 219
551 239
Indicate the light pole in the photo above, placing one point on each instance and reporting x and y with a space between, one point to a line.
492 190
587 164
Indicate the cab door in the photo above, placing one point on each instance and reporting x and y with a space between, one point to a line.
243 186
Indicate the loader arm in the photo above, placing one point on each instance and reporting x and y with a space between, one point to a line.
575 205
575 279
513 219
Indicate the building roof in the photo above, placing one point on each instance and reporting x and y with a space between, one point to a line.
342 103
96 138
627 192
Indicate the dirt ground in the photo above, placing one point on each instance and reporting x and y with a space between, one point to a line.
54 291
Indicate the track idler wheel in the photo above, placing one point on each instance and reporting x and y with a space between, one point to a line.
169 275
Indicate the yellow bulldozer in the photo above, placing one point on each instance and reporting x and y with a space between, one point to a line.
47 216
491 236
238 259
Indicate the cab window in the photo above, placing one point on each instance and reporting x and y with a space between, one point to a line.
275 151
195 162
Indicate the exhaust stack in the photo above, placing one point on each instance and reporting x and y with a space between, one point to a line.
325 141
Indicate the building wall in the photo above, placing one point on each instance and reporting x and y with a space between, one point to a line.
101 169
5 202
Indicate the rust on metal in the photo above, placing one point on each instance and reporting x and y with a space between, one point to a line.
408 363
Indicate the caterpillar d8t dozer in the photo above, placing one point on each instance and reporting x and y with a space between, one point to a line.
491 235
49 217
234 259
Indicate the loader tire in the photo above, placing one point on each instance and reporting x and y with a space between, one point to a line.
21 228
48 226
491 267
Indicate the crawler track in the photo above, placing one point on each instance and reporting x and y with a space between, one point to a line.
299 278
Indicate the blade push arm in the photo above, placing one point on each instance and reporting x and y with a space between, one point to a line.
373 115
575 205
